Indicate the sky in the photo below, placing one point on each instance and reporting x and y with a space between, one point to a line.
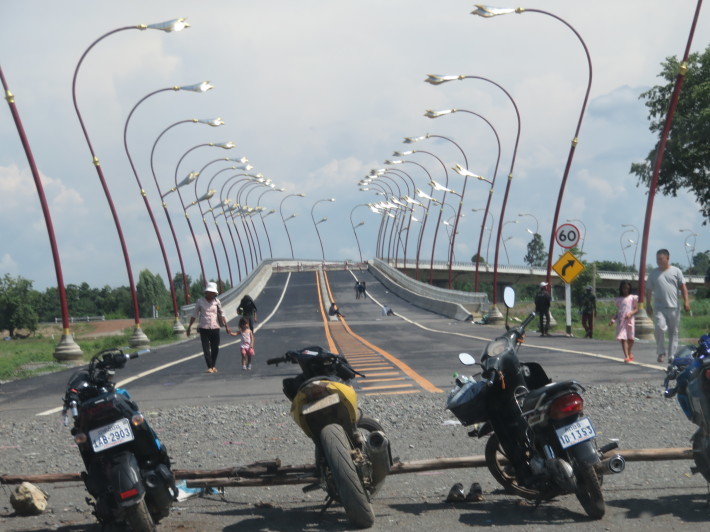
315 94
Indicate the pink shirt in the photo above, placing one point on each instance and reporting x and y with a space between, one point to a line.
207 312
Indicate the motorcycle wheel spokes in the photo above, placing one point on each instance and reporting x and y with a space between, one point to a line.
502 470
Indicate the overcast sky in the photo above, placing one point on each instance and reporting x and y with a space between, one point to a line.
316 93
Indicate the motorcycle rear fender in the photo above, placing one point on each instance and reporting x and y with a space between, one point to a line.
311 417
125 479
585 453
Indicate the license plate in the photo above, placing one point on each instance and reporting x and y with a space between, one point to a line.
111 435
575 433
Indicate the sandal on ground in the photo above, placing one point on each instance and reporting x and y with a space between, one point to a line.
631 356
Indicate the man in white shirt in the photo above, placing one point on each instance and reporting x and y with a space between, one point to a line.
663 283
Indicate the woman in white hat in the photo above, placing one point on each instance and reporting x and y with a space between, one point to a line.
208 310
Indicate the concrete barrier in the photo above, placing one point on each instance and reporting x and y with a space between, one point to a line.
451 303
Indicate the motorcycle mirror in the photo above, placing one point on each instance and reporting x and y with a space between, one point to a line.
509 296
467 359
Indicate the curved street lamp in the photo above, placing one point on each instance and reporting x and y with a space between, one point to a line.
214 122
315 225
490 232
487 12
537 225
284 220
584 228
689 249
359 250
67 350
262 215
138 338
495 314
178 328
436 114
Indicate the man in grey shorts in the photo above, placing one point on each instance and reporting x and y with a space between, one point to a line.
664 282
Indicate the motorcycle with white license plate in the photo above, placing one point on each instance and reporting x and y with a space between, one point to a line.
353 454
127 467
541 444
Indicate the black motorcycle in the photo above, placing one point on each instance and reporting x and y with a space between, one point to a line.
127 467
690 369
541 444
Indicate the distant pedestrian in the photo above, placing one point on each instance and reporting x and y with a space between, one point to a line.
627 307
334 311
357 289
589 311
363 290
247 308
247 344
664 283
542 308
208 310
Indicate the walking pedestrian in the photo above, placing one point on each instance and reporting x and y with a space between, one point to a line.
589 311
542 308
627 307
357 289
247 344
663 284
208 310
247 308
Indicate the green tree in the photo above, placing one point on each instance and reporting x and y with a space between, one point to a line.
701 262
151 292
536 255
16 305
686 161
477 258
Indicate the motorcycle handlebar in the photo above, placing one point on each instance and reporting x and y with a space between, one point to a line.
528 320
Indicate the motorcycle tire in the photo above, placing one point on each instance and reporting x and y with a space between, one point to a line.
502 470
701 455
139 518
589 492
351 494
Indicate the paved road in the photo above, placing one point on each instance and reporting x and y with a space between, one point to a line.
416 349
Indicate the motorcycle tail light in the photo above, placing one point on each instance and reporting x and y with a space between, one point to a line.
80 438
706 373
566 406
137 419
128 494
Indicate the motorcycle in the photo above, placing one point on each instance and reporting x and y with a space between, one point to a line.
352 453
541 444
690 368
127 467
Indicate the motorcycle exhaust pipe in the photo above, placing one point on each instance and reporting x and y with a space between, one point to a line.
378 449
613 465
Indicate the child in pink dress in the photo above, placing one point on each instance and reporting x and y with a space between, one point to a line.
247 343
627 307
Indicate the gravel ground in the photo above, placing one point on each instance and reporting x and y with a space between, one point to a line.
648 495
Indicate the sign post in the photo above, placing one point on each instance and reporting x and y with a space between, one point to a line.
568 267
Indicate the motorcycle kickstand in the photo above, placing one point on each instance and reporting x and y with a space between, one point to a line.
328 501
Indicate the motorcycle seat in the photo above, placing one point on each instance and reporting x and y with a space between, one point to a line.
534 397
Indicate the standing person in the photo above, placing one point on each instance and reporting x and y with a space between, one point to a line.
627 307
663 283
589 311
357 289
247 308
247 344
211 318
542 308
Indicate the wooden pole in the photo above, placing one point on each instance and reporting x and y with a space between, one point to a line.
271 472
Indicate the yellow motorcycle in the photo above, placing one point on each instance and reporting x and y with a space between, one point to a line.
353 454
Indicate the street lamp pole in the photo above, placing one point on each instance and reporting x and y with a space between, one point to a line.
214 122
281 212
495 315
138 338
178 328
584 227
488 12
67 350
359 250
315 225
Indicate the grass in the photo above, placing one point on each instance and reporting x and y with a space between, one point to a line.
34 355
691 326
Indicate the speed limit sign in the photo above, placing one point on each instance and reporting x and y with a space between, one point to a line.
567 236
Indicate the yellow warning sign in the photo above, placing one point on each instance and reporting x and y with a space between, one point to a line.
568 267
